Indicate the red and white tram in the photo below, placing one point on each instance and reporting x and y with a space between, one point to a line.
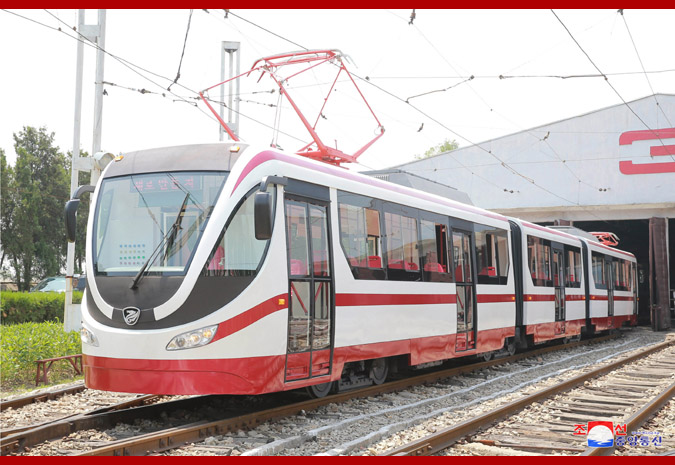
230 269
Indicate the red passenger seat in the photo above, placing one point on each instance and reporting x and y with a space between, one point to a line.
488 271
411 266
435 267
396 264
373 261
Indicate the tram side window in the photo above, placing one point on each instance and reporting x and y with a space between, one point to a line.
238 252
402 247
572 267
492 256
598 265
360 235
539 259
621 274
434 247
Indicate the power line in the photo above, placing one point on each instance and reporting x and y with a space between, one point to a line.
128 64
440 90
643 68
529 76
505 165
180 63
267 30
607 81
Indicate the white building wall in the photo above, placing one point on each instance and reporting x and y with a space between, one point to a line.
574 165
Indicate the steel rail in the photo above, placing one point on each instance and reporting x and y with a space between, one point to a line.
636 420
447 437
23 437
41 397
138 401
175 437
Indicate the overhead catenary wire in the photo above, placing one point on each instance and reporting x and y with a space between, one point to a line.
180 63
607 81
529 76
505 165
131 66
135 68
643 68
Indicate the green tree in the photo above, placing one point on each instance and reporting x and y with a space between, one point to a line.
40 189
445 146
6 207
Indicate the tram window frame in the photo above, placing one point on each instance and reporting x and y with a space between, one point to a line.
598 263
574 253
410 269
489 252
622 275
208 271
364 203
544 251
438 246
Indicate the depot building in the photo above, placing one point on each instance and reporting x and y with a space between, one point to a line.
611 170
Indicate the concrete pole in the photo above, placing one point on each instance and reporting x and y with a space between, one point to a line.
231 49
68 324
98 94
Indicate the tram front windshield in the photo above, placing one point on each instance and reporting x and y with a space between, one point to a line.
156 218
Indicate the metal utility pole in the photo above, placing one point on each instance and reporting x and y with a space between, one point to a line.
94 33
230 48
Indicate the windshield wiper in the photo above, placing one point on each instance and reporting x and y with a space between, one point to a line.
170 235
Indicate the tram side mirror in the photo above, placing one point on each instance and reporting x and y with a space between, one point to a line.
71 211
71 218
262 213
641 276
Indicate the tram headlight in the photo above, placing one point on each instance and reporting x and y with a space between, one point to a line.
196 338
88 337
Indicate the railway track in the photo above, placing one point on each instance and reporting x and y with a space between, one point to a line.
131 439
544 422
40 397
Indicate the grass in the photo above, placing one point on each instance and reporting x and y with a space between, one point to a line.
22 344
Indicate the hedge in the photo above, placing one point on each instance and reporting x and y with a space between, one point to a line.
24 343
22 307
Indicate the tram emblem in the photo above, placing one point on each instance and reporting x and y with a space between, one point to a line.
131 315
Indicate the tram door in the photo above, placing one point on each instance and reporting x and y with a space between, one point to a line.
466 292
609 276
311 302
634 283
559 286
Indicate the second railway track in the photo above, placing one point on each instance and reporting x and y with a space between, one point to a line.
624 392
328 426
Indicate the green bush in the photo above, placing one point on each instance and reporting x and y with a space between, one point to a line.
22 307
23 344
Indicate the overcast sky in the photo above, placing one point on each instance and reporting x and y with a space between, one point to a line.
439 51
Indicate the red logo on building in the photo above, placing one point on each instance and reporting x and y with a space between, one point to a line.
658 149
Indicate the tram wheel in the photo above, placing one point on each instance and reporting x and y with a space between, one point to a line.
511 347
317 391
379 369
486 356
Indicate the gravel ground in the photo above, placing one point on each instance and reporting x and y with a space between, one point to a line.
71 404
547 414
663 426
373 425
